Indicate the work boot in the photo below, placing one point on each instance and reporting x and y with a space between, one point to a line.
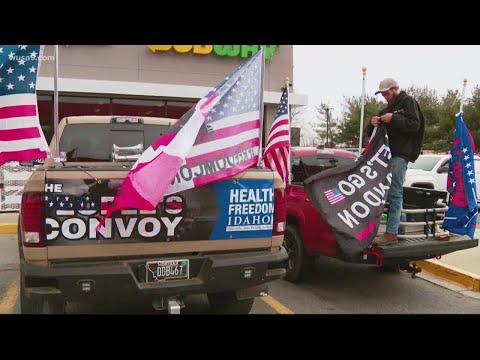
385 239
440 234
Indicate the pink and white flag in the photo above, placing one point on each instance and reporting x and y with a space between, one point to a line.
277 152
21 137
218 138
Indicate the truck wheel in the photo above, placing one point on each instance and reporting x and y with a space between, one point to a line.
300 264
227 303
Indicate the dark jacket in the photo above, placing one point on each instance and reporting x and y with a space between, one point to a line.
406 131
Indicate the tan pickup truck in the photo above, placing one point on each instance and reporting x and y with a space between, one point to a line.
224 239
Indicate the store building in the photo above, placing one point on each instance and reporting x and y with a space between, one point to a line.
148 80
151 80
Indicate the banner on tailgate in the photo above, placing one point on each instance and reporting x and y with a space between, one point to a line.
230 209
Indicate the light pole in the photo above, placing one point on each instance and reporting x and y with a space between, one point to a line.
362 112
327 109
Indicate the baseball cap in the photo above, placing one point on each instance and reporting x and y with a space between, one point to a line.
386 84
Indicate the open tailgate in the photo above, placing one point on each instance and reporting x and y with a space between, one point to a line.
420 249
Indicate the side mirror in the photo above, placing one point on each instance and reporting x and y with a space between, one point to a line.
442 170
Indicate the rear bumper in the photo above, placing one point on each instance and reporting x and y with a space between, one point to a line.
124 280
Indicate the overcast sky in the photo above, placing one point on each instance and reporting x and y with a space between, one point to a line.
326 73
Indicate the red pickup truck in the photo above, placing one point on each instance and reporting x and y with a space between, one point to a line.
308 235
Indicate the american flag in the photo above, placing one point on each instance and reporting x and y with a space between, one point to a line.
218 138
277 152
334 196
21 137
232 126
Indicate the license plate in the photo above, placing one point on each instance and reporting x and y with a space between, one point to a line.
167 270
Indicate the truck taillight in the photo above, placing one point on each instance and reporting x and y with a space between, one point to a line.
279 212
32 226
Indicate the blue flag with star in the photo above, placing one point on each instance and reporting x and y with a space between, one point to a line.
461 217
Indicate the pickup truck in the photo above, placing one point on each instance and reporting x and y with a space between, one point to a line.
307 235
430 171
223 239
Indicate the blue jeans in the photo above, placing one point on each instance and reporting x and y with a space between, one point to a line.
395 195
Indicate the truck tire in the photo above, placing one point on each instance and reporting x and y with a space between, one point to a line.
227 303
40 305
300 264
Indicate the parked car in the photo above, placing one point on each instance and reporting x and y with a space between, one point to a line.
430 171
307 235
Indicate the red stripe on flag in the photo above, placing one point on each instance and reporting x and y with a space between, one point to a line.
200 159
278 134
276 160
163 140
278 123
19 134
105 206
220 175
236 129
174 205
284 172
8 112
22 155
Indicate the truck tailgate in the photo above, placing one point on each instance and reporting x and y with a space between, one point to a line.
425 248
223 216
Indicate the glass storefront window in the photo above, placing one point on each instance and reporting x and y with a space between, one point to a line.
176 109
45 115
135 107
79 105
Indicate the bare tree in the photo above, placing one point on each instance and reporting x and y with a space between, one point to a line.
302 118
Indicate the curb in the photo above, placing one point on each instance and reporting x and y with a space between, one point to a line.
451 273
8 228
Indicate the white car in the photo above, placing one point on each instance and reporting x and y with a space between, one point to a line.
431 171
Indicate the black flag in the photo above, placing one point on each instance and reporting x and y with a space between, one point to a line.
351 198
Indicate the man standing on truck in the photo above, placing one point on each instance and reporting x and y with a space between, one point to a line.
405 128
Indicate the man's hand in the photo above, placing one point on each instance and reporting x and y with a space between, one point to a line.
386 118
375 120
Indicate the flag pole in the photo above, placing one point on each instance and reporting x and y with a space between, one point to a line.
362 112
287 86
55 101
260 155
463 94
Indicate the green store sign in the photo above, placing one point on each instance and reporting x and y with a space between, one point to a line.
242 51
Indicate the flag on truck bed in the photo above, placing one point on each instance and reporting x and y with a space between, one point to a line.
21 137
351 198
277 151
461 216
218 138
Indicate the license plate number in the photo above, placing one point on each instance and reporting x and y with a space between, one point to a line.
167 270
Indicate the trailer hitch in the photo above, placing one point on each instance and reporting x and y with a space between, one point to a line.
411 268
